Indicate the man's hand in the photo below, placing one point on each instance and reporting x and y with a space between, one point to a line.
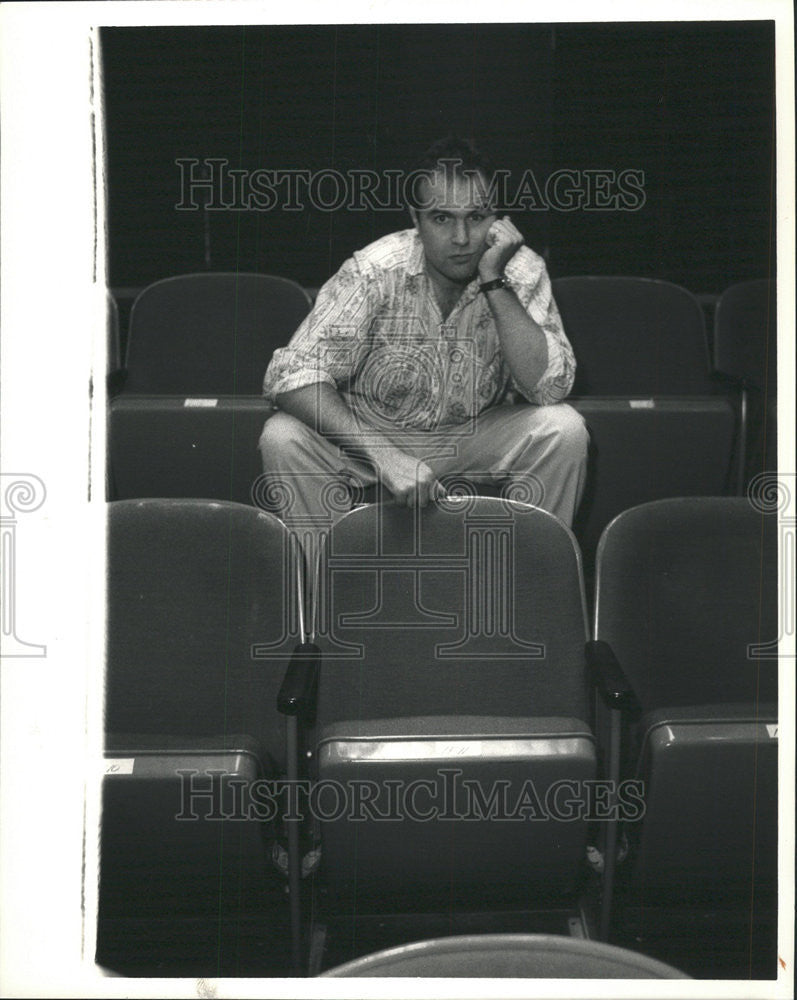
408 479
321 407
503 240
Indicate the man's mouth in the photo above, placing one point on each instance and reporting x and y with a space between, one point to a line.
461 258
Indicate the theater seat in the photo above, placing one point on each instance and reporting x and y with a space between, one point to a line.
686 596
189 416
452 676
201 624
746 353
657 424
508 956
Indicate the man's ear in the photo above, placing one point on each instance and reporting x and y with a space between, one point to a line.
414 216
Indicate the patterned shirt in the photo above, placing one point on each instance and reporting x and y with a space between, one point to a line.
376 334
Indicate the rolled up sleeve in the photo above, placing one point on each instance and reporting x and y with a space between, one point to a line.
329 344
533 287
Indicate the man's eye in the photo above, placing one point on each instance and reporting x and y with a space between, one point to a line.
440 217
477 217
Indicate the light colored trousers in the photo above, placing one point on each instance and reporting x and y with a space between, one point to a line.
538 455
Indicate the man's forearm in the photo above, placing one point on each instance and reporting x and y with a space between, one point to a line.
523 342
322 408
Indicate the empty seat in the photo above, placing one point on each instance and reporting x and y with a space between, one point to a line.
515 956
635 337
210 334
686 597
745 351
452 708
201 623
188 419
658 427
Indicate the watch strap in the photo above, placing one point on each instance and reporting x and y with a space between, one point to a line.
490 286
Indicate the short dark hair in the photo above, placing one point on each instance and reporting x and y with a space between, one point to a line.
455 156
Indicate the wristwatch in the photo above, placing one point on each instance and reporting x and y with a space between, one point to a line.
490 286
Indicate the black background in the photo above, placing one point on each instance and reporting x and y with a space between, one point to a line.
691 104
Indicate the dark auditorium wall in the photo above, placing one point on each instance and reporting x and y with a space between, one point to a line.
689 104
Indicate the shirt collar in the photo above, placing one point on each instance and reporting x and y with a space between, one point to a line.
417 261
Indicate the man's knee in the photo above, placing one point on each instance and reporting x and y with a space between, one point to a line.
562 426
281 437
569 428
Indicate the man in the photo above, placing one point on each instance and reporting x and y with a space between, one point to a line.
408 368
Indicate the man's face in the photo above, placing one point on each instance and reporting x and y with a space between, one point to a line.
453 229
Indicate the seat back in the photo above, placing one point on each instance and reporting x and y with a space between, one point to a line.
473 606
200 334
686 588
197 591
453 679
634 336
745 334
509 956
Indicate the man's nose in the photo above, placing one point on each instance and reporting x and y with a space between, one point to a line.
460 236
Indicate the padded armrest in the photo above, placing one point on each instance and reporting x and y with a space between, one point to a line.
297 694
609 678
